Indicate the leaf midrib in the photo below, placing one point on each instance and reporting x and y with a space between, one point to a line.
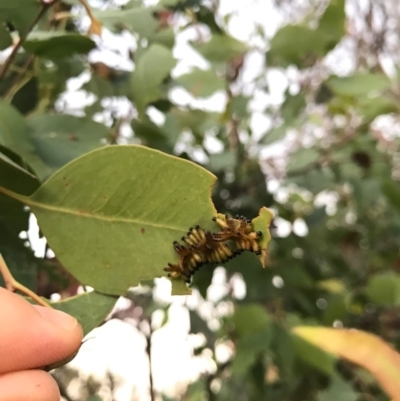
58 209
31 203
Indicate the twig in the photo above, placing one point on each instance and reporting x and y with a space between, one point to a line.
209 379
95 26
19 81
148 351
22 39
13 285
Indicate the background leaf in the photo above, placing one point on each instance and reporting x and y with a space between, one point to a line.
15 135
220 48
90 308
391 190
58 139
358 84
20 12
201 83
5 38
58 44
384 289
338 388
152 68
302 158
292 44
332 22
137 19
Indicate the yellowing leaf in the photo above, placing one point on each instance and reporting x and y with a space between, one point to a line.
361 348
333 286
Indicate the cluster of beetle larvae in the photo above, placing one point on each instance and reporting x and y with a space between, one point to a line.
204 247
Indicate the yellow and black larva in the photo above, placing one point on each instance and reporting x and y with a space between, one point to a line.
204 247
240 231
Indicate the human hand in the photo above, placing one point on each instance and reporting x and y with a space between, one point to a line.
32 337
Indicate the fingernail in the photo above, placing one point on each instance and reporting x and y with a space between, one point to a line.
57 317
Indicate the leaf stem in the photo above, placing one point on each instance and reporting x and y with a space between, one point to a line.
13 285
22 39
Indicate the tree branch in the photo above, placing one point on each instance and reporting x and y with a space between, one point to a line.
42 11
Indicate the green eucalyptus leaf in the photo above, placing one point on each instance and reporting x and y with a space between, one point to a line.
90 308
302 158
358 84
302 46
138 19
391 190
275 134
164 37
58 139
5 38
248 349
198 121
15 135
120 202
292 107
21 13
201 83
249 319
254 328
16 178
152 68
384 289
333 22
104 213
375 106
220 48
338 390
58 44
13 217
221 161
99 86
295 44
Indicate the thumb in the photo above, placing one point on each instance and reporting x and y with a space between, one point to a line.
34 336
